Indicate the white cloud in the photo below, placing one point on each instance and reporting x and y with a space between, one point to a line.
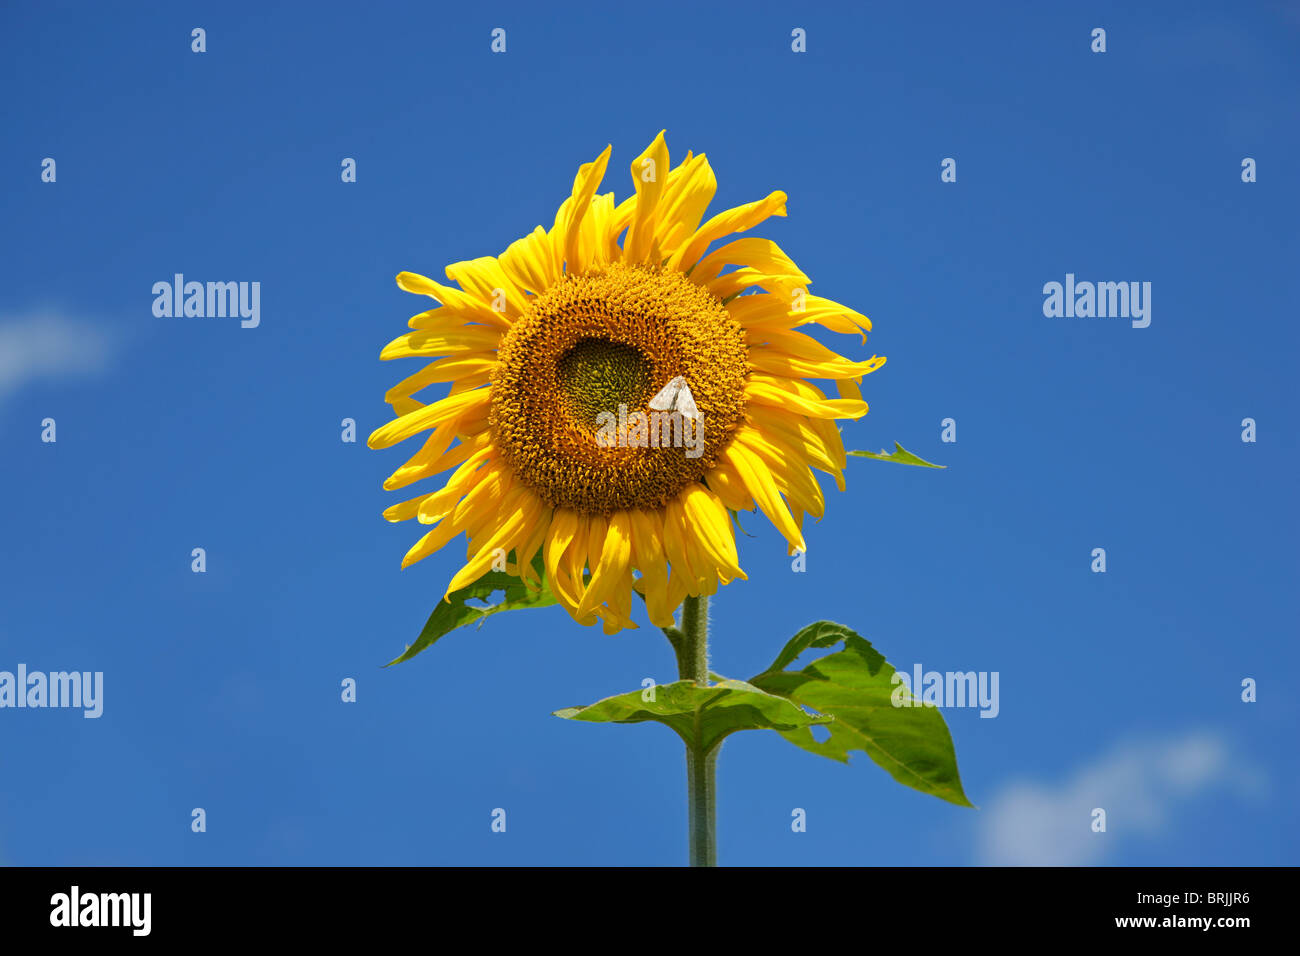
46 345
1137 784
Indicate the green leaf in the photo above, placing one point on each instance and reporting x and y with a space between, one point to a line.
454 612
854 686
701 716
900 455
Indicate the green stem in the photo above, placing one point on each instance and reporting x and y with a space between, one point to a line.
701 764
702 783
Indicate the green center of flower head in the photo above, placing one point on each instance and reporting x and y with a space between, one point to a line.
598 375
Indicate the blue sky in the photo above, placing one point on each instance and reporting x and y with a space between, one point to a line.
222 690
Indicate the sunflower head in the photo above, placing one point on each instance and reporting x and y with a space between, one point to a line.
617 390
593 351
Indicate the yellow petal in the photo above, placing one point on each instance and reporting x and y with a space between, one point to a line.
786 284
484 279
615 557
763 255
431 542
796 434
517 514
529 262
791 474
689 191
649 172
775 362
759 481
712 527
648 552
435 446
452 458
675 546
726 484
485 502
795 344
724 224
461 302
470 338
782 312
585 184
428 417
443 501
598 242
524 554
765 394
405 510
563 530
591 528
452 369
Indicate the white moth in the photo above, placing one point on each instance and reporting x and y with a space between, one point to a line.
676 396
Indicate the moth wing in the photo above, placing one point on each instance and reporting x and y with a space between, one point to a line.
686 402
663 401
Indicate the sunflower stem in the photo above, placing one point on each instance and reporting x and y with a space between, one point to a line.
693 655
701 763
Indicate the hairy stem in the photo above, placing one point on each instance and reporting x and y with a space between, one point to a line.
701 764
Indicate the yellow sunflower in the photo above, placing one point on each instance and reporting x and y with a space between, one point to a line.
617 389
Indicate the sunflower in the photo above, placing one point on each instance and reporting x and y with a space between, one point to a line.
619 392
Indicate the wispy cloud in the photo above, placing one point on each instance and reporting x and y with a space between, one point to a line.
1138 784
48 345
